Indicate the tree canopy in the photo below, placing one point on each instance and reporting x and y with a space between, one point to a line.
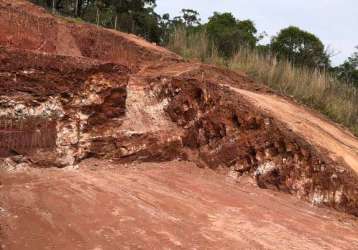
228 33
134 16
300 47
223 30
348 71
191 17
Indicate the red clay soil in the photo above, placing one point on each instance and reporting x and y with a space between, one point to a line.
25 26
159 206
340 144
72 91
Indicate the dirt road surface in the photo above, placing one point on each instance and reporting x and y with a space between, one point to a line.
159 206
339 143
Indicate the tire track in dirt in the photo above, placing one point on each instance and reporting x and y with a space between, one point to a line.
340 144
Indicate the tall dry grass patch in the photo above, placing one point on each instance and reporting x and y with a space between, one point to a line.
315 88
193 45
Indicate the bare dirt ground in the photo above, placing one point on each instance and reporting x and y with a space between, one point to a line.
171 205
140 102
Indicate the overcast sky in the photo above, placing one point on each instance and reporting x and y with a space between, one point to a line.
335 22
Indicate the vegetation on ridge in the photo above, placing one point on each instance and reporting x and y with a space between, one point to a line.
316 88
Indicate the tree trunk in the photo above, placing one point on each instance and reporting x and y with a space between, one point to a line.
97 18
115 22
76 8
79 7
53 6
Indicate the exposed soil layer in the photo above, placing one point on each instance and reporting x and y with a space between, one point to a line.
18 137
103 110
80 96
70 91
159 206
340 144
22 25
227 133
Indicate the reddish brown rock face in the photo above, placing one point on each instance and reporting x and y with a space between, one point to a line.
227 134
104 111
24 136
57 105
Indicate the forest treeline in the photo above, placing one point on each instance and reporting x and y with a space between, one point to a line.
227 33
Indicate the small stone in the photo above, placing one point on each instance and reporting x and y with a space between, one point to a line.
270 152
267 122
306 153
238 167
290 147
265 168
297 157
260 156
233 174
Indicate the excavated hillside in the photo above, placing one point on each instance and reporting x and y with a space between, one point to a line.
73 95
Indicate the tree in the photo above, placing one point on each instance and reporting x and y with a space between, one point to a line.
190 17
228 33
134 16
348 71
300 47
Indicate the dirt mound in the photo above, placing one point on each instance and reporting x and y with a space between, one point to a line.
25 26
70 91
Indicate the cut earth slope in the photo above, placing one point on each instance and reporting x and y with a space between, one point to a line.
70 92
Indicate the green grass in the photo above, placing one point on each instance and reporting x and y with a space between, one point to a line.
316 89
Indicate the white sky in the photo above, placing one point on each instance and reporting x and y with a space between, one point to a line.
335 22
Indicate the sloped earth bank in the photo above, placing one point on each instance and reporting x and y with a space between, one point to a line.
25 26
103 110
159 206
122 99
225 131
